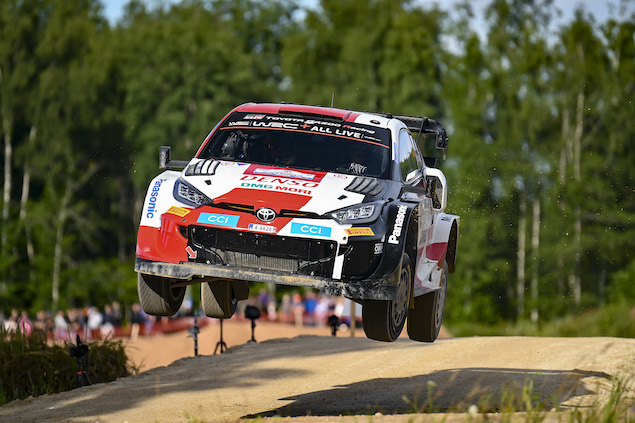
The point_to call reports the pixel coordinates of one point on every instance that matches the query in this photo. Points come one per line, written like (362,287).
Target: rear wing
(422,125)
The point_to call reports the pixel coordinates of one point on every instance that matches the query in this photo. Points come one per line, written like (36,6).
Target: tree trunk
(6,191)
(565,152)
(6,197)
(574,278)
(59,240)
(520,269)
(24,199)
(64,210)
(535,246)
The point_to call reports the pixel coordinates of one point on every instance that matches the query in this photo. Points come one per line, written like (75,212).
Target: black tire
(384,319)
(424,321)
(157,295)
(219,299)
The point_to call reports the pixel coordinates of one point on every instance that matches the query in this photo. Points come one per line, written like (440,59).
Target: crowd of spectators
(310,309)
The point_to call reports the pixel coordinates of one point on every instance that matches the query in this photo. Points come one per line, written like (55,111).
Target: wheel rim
(400,307)
(440,301)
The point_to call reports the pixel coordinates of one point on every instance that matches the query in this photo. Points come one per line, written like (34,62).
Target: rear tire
(424,321)
(384,319)
(219,298)
(157,295)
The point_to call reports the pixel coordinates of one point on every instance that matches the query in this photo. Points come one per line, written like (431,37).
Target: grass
(32,366)
(612,320)
(525,406)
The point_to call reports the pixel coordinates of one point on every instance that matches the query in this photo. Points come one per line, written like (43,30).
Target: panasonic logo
(396,230)
(152,206)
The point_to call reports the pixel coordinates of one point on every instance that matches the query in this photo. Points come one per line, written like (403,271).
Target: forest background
(540,166)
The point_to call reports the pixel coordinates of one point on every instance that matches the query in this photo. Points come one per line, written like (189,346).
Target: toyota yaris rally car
(325,198)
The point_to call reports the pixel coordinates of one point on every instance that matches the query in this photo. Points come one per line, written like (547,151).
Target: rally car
(338,200)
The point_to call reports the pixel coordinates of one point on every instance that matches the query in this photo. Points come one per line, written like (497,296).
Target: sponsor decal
(152,204)
(262,228)
(359,232)
(378,248)
(397,228)
(262,124)
(279,181)
(359,128)
(191,253)
(336,131)
(284,173)
(228,220)
(314,230)
(254,116)
(277,188)
(179,211)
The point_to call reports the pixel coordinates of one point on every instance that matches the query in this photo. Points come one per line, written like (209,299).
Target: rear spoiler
(421,125)
(424,125)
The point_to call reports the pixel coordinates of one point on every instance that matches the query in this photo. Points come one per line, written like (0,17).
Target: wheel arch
(453,241)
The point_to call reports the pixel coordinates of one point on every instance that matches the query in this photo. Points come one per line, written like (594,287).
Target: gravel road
(325,377)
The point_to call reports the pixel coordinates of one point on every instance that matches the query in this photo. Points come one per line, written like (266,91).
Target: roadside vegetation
(611,320)
(32,365)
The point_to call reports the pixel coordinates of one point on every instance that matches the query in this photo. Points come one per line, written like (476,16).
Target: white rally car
(326,198)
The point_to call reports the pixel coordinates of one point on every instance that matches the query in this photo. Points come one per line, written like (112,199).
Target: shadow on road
(442,391)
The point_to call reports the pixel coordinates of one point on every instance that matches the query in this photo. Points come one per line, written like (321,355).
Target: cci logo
(218,219)
(303,229)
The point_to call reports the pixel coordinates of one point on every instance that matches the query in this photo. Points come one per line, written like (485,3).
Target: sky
(601,9)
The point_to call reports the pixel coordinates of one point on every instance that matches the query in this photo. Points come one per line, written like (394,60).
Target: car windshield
(302,142)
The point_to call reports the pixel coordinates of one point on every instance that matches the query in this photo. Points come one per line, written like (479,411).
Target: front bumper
(191,273)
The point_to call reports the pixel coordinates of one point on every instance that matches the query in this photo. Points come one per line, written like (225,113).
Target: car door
(411,165)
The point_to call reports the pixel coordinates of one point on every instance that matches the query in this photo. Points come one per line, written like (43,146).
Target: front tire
(219,298)
(157,295)
(424,321)
(384,319)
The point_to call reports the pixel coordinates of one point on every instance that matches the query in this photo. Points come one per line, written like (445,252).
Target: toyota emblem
(265,214)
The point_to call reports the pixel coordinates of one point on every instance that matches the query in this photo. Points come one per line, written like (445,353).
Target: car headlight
(189,195)
(363,213)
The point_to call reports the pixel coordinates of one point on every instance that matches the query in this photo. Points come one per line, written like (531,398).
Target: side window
(418,155)
(408,156)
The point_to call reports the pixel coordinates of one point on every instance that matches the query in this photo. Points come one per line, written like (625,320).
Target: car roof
(317,111)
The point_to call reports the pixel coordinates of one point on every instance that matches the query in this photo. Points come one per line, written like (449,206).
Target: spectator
(298,310)
(93,322)
(310,303)
(11,324)
(61,325)
(24,323)
(107,328)
(116,316)
(286,314)
(136,319)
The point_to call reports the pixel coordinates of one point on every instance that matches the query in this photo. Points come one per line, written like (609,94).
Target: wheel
(384,319)
(424,321)
(220,298)
(157,295)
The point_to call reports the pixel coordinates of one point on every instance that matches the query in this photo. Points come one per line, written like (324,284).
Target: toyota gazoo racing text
(333,199)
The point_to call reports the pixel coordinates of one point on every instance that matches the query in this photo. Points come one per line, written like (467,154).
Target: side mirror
(165,162)
(414,177)
(437,188)
(164,156)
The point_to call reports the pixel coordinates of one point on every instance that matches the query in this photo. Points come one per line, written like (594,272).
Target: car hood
(278,188)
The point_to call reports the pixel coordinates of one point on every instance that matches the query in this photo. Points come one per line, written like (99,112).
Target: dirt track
(326,376)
